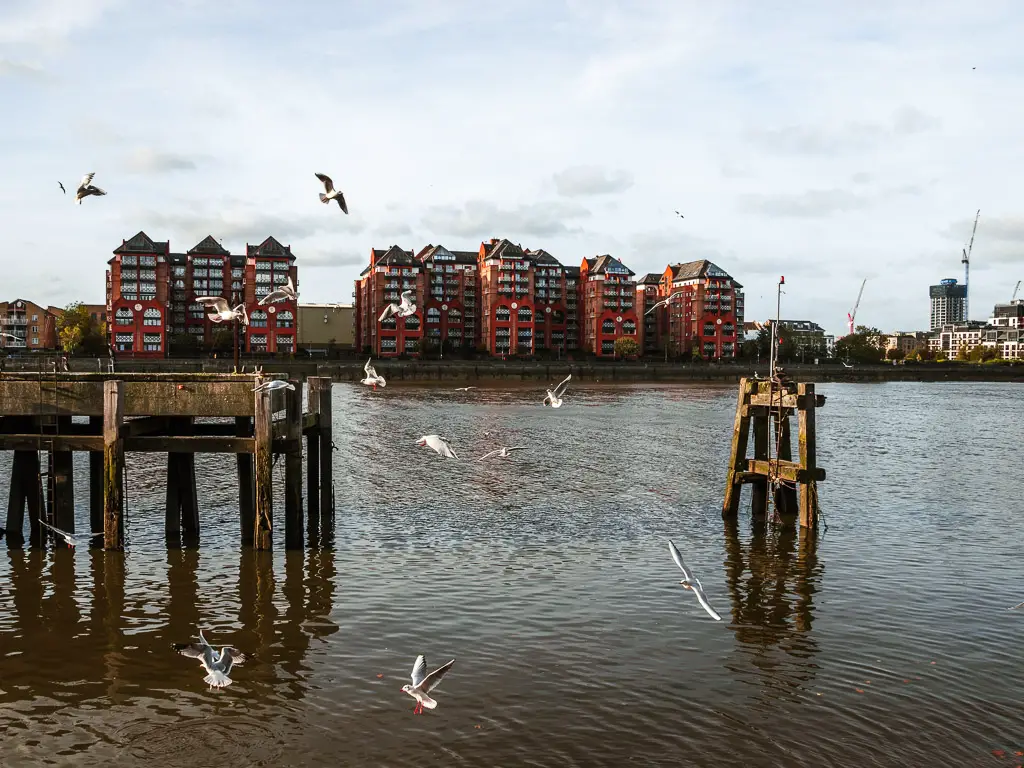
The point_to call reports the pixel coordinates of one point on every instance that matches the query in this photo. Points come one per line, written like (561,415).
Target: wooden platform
(161,413)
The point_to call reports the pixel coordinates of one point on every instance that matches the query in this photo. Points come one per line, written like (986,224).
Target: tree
(982,354)
(78,331)
(895,353)
(626,347)
(860,346)
(963,354)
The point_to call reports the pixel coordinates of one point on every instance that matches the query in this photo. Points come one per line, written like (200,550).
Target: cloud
(587,180)
(392,230)
(852,136)
(151,161)
(46,22)
(481,219)
(18,69)
(237,227)
(999,240)
(820,203)
(331,258)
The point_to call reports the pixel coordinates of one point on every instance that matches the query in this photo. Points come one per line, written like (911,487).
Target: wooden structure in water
(177,414)
(764,409)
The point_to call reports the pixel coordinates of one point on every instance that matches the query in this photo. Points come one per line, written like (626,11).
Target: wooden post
(759,490)
(17,497)
(293,468)
(96,483)
(62,489)
(326,461)
(246,504)
(34,496)
(113,465)
(172,500)
(808,454)
(263,434)
(188,494)
(785,495)
(738,452)
(313,460)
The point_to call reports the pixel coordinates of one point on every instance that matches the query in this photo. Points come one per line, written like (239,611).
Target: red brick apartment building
(450,297)
(609,295)
(652,325)
(34,326)
(389,273)
(151,295)
(708,315)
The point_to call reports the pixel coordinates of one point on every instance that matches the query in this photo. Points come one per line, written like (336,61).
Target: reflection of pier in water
(772,581)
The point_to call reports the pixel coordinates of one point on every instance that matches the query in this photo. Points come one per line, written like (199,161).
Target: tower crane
(1014,297)
(851,315)
(966,261)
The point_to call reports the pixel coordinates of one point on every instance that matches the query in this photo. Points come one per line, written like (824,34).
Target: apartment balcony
(13,321)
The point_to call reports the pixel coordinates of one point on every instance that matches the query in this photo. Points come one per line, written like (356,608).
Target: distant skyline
(831,143)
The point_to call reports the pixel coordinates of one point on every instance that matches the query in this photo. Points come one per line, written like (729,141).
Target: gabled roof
(269,247)
(502,249)
(691,270)
(141,243)
(208,245)
(459,257)
(601,265)
(543,257)
(393,256)
(651,278)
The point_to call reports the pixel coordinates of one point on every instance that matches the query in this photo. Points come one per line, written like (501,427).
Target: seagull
(439,444)
(286,291)
(85,188)
(502,453)
(423,684)
(846,364)
(10,336)
(222,312)
(72,539)
(692,582)
(554,399)
(680,215)
(406,308)
(332,193)
(273,385)
(218,666)
(1018,605)
(663,302)
(62,188)
(464,389)
(372,377)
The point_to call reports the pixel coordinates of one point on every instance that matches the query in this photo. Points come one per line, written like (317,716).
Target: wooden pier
(765,408)
(165,413)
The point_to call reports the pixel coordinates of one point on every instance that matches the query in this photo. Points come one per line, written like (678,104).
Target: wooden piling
(293,530)
(113,465)
(313,458)
(808,454)
(738,452)
(326,460)
(96,483)
(246,502)
(759,485)
(264,496)
(189,494)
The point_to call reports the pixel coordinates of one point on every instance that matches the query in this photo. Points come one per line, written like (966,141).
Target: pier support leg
(262,534)
(188,493)
(808,455)
(759,486)
(113,465)
(738,452)
(246,504)
(313,462)
(293,469)
(326,462)
(96,484)
(785,494)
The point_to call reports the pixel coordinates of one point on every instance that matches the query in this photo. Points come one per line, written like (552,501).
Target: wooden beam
(147,425)
(113,465)
(784,470)
(786,401)
(311,420)
(293,533)
(148,444)
(263,437)
(737,452)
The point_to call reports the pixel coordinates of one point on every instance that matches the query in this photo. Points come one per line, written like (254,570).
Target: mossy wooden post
(246,503)
(263,434)
(96,483)
(188,493)
(113,465)
(807,402)
(313,458)
(759,490)
(738,452)
(172,500)
(326,460)
(293,468)
(785,495)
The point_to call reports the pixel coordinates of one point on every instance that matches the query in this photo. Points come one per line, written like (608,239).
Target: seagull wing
(1018,605)
(698,590)
(328,184)
(96,190)
(56,530)
(272,296)
(62,188)
(449,451)
(517,448)
(229,657)
(370,372)
(488,455)
(407,299)
(389,310)
(431,681)
(560,389)
(419,671)
(86,180)
(341,202)
(679,561)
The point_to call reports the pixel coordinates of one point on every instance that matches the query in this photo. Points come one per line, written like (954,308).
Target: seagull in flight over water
(217,666)
(1018,605)
(372,377)
(221,311)
(663,302)
(502,453)
(273,385)
(691,582)
(464,389)
(72,539)
(554,398)
(286,291)
(332,193)
(406,308)
(439,444)
(423,684)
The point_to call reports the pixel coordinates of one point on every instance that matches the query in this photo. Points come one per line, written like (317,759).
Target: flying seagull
(286,291)
(273,385)
(62,188)
(406,308)
(423,684)
(85,188)
(1018,605)
(663,302)
(464,389)
(501,453)
(554,399)
(221,311)
(680,215)
(72,539)
(332,193)
(691,582)
(372,377)
(9,336)
(218,666)
(439,444)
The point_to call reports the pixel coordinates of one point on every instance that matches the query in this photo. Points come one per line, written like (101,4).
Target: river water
(886,642)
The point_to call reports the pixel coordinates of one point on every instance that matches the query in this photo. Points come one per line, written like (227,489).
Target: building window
(608,326)
(709,349)
(390,324)
(258,343)
(607,347)
(124,341)
(503,314)
(629,327)
(411,323)
(727,330)
(525,315)
(123,316)
(433,315)
(285,319)
(258,319)
(454,316)
(285,343)
(151,317)
(411,345)
(709,329)
(151,342)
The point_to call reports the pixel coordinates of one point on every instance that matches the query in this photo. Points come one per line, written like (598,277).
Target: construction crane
(966,261)
(1014,297)
(851,315)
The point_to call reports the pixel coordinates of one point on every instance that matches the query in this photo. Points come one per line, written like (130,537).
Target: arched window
(608,326)
(433,315)
(629,327)
(412,323)
(151,317)
(123,316)
(285,319)
(525,315)
(258,319)
(502,314)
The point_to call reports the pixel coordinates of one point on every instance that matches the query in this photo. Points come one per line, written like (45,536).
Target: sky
(828,142)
